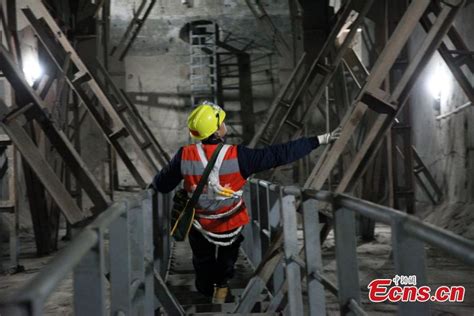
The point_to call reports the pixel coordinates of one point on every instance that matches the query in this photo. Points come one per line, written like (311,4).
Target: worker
(215,235)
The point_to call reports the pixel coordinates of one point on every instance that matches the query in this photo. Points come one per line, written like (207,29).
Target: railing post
(346,259)
(137,259)
(147,209)
(89,281)
(160,232)
(278,277)
(409,258)
(120,266)
(291,249)
(314,263)
(248,229)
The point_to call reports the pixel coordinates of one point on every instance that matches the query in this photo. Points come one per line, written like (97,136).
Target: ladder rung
(17,112)
(285,103)
(460,60)
(81,78)
(418,170)
(121,109)
(119,133)
(323,69)
(293,124)
(378,105)
(145,145)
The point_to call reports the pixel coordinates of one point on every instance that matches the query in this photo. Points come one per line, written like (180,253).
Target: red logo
(404,289)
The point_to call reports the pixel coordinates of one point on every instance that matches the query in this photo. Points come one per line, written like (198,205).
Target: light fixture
(32,69)
(439,82)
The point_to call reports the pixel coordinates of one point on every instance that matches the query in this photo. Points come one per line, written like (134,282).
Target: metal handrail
(461,248)
(273,209)
(89,242)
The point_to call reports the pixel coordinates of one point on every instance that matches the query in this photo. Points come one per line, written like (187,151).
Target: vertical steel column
(137,262)
(120,266)
(148,255)
(89,281)
(314,262)
(346,258)
(291,249)
(409,257)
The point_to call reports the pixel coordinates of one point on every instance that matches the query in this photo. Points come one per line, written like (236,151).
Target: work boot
(220,294)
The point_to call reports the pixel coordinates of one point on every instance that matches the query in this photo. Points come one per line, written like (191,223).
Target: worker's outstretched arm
(170,176)
(255,160)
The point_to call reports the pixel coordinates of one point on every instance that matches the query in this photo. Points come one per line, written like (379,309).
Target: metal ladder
(30,106)
(385,104)
(421,171)
(203,62)
(454,52)
(125,121)
(289,111)
(136,24)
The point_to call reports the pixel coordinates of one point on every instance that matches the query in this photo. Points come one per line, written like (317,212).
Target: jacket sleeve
(170,176)
(255,160)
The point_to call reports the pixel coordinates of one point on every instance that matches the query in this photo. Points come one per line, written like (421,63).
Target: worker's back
(220,207)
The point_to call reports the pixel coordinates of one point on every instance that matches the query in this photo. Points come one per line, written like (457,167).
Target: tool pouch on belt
(182,213)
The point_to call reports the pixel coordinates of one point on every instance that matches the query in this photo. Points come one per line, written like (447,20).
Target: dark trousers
(211,267)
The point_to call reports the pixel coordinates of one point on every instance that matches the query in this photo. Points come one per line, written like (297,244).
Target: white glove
(329,137)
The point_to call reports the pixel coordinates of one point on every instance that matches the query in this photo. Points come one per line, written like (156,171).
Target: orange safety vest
(229,213)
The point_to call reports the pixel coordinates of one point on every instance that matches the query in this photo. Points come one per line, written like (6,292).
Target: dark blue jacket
(250,161)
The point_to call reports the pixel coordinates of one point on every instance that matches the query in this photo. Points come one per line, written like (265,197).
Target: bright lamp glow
(32,69)
(439,82)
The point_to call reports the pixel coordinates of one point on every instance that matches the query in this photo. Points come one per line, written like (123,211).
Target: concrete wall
(156,70)
(446,146)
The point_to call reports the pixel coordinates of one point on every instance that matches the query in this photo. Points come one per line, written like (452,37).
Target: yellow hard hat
(205,120)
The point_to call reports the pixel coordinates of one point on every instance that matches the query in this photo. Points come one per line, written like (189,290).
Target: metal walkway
(180,281)
(127,249)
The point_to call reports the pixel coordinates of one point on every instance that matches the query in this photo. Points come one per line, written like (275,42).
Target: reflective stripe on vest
(228,175)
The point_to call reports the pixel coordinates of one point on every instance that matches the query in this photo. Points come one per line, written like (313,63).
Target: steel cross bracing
(88,89)
(455,53)
(125,107)
(136,24)
(30,106)
(382,102)
(284,117)
(269,27)
(422,174)
(425,179)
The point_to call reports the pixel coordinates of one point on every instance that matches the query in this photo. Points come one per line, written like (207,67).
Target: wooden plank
(58,140)
(380,71)
(399,96)
(149,170)
(41,168)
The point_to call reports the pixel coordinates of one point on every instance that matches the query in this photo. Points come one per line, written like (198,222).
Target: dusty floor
(374,262)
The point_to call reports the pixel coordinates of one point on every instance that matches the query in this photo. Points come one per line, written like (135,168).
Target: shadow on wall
(180,102)
(175,101)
